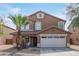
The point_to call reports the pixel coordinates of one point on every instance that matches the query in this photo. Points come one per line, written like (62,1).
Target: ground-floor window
(71,41)
(77,39)
(53,36)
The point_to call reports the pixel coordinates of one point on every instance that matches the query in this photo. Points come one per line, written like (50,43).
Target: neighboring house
(74,38)
(5,37)
(45,30)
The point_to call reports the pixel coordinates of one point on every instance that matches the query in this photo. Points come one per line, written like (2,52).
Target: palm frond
(13,18)
(24,21)
(19,20)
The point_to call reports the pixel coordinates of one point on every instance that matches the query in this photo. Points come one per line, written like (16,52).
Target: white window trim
(53,34)
(62,24)
(38,25)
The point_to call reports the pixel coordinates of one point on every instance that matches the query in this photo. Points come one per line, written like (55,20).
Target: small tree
(19,21)
(73,13)
(75,23)
(72,10)
(1,26)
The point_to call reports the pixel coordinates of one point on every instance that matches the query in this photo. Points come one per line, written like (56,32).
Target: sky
(56,9)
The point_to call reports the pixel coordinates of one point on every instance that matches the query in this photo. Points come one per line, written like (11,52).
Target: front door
(34,41)
(71,42)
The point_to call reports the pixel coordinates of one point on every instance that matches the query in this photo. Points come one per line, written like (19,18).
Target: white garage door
(55,40)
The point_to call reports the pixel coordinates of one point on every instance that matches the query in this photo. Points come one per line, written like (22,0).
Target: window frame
(62,24)
(38,25)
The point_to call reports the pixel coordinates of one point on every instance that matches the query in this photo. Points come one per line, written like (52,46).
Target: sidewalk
(75,47)
(7,50)
(4,47)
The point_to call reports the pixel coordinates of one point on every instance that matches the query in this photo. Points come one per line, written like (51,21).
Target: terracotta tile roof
(9,27)
(26,33)
(29,32)
(55,28)
(39,32)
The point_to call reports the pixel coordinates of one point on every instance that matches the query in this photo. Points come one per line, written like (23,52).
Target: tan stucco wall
(47,21)
(2,40)
(54,31)
(74,36)
(6,34)
(7,30)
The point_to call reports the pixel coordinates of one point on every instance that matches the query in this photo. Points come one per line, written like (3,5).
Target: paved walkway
(29,52)
(75,47)
(4,47)
(8,50)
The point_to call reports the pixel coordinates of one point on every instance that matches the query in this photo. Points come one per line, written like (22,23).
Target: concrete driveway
(8,50)
(58,52)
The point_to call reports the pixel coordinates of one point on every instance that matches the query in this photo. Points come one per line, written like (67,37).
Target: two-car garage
(53,40)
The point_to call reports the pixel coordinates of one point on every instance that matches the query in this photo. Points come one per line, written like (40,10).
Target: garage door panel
(53,42)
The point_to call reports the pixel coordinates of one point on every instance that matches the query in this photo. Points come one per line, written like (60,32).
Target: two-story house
(45,30)
(74,38)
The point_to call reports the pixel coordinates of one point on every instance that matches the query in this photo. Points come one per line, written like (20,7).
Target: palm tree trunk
(18,38)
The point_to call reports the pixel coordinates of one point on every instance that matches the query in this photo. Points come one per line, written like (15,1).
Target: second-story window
(61,25)
(38,25)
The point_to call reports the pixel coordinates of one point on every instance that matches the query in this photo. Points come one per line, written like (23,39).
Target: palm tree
(19,21)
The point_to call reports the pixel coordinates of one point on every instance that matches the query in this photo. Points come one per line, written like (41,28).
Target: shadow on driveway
(23,52)
(30,52)
(9,51)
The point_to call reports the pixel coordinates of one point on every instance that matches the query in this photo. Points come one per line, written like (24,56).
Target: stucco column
(68,40)
(38,41)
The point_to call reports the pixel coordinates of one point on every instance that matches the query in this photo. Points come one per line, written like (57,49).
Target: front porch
(27,39)
(31,38)
(30,41)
